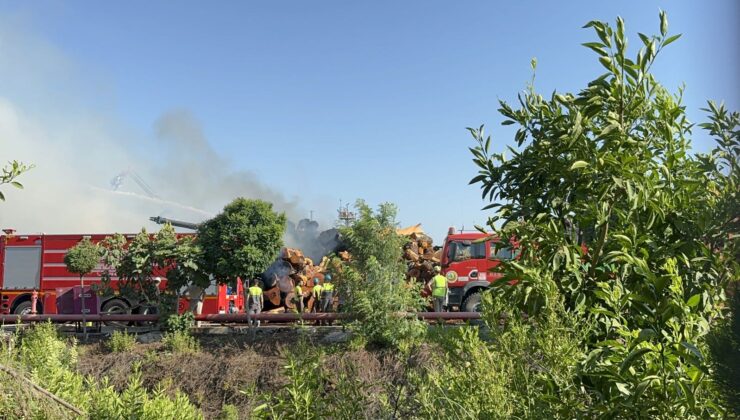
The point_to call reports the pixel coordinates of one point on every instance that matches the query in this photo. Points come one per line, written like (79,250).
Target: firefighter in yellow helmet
(316,293)
(255,302)
(438,284)
(298,298)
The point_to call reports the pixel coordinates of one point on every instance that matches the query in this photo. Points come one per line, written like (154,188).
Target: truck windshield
(506,253)
(462,251)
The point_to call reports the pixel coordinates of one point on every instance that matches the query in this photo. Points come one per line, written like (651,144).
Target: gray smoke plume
(55,118)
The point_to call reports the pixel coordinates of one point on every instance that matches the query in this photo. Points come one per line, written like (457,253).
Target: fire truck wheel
(24,308)
(117,307)
(148,310)
(472,302)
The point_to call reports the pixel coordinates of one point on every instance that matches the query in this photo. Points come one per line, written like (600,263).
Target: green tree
(374,280)
(82,258)
(618,218)
(10,172)
(242,241)
(139,262)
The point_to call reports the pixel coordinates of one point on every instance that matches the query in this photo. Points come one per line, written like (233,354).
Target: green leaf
(671,39)
(597,47)
(645,335)
(622,387)
(17,184)
(578,165)
(693,300)
(692,348)
(631,358)
(645,39)
(606,62)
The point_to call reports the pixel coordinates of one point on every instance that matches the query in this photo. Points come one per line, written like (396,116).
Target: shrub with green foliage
(616,217)
(228,412)
(180,323)
(178,337)
(311,394)
(520,368)
(374,280)
(138,262)
(121,342)
(180,342)
(50,362)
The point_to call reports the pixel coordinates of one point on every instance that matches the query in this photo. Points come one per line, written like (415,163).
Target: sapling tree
(82,259)
(373,281)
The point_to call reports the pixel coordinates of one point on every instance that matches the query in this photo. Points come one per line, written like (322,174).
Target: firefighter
(298,298)
(327,294)
(438,284)
(316,293)
(255,302)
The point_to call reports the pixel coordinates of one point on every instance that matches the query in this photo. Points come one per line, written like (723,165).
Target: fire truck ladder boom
(177,223)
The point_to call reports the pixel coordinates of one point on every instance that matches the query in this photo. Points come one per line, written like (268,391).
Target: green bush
(374,281)
(121,342)
(312,392)
(180,342)
(617,218)
(228,412)
(180,323)
(51,362)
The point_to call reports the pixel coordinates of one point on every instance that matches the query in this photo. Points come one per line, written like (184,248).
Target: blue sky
(330,100)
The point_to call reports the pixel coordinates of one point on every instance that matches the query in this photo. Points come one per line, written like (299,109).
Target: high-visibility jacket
(255,291)
(317,291)
(298,291)
(439,286)
(328,287)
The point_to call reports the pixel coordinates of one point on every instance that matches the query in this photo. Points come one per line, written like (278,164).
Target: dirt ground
(229,367)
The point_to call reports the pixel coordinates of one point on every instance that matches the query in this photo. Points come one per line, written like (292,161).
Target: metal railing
(228,318)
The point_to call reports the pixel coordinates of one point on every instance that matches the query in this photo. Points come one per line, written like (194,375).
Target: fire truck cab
(467,259)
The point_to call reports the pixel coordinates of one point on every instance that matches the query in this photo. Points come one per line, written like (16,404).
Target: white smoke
(77,151)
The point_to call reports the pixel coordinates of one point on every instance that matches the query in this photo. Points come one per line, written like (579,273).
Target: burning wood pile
(304,268)
(291,269)
(419,254)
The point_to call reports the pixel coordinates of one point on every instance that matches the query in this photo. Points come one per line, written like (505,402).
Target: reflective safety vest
(298,291)
(317,290)
(328,287)
(255,291)
(440,286)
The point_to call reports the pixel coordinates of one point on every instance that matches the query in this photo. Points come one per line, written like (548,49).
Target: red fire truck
(466,262)
(36,262)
